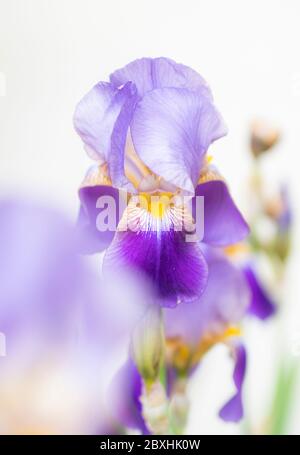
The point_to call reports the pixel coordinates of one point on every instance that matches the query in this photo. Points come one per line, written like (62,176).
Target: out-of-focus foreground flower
(62,328)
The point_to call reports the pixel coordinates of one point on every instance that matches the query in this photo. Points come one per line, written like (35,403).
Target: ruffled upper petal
(96,114)
(233,410)
(151,73)
(116,159)
(223,222)
(171,131)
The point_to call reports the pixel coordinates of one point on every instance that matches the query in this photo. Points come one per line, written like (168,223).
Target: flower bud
(148,344)
(263,137)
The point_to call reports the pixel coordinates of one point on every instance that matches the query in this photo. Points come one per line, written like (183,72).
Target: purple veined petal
(158,253)
(233,410)
(151,73)
(223,223)
(124,397)
(224,302)
(91,239)
(176,269)
(261,305)
(171,131)
(96,114)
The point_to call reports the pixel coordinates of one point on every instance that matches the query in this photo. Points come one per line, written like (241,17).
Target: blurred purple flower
(64,328)
(124,397)
(193,329)
(261,304)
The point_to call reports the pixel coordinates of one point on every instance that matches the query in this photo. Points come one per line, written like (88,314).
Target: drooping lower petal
(223,222)
(233,410)
(222,304)
(177,269)
(261,304)
(151,246)
(101,209)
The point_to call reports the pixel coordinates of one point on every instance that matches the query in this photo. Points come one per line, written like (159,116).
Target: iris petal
(261,305)
(96,114)
(223,303)
(160,254)
(151,73)
(223,223)
(124,395)
(119,138)
(171,131)
(92,239)
(233,410)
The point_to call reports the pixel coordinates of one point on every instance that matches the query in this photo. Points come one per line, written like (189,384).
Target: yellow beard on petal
(156,203)
(156,212)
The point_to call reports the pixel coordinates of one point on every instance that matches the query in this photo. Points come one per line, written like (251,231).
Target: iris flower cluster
(149,130)
(113,349)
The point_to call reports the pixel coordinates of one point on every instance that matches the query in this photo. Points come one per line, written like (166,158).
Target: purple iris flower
(191,331)
(149,130)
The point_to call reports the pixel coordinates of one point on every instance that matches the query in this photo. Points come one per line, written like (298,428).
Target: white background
(53,51)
